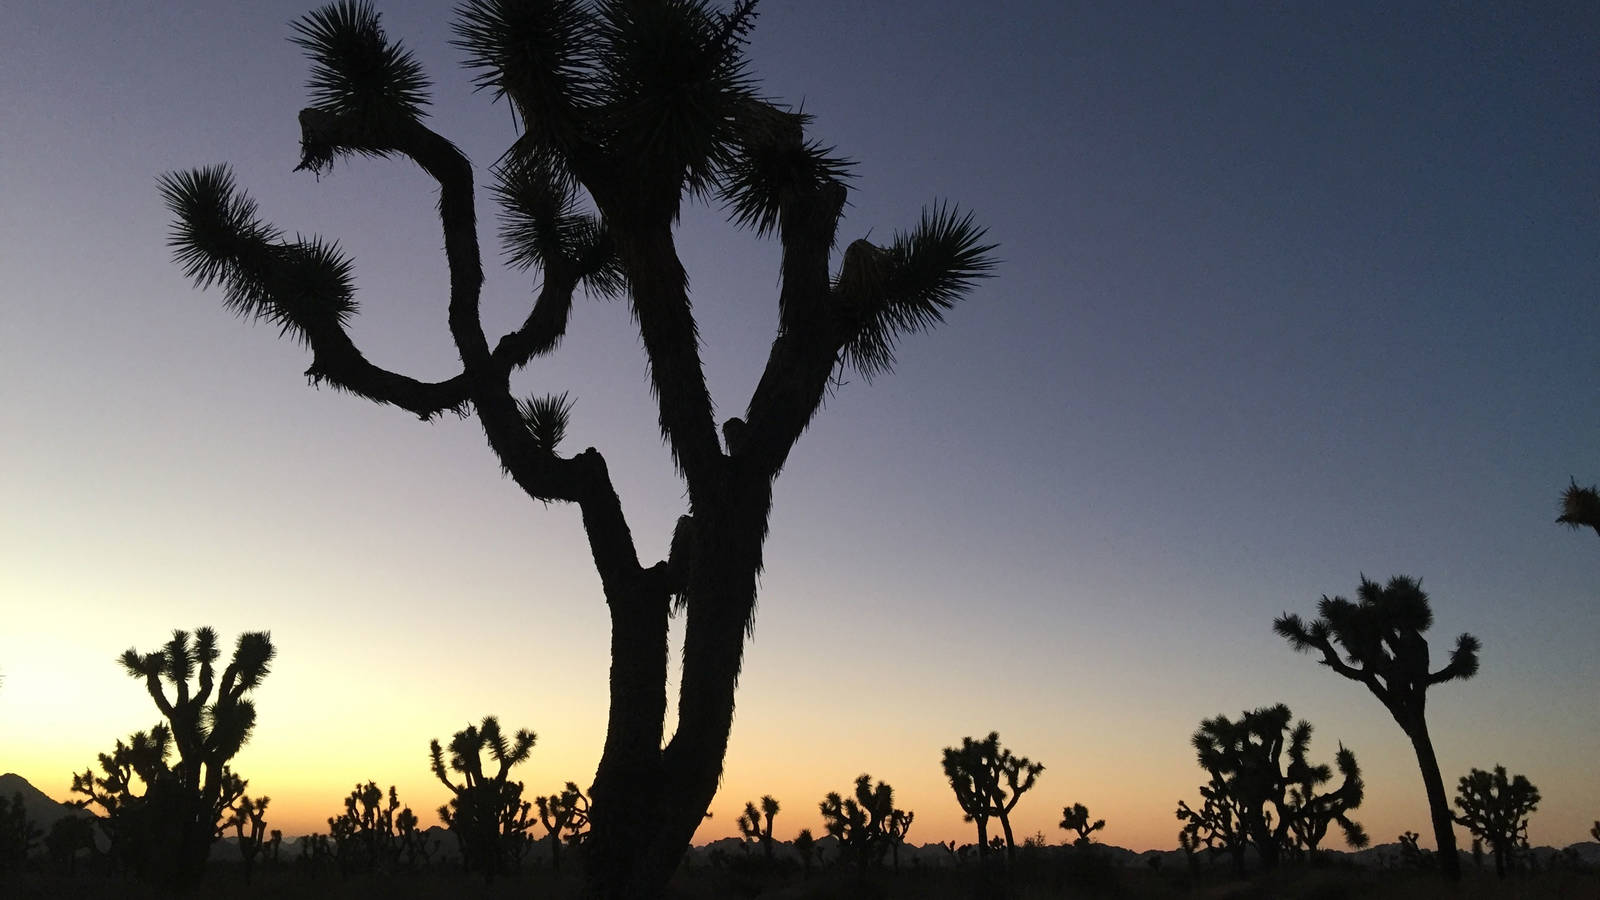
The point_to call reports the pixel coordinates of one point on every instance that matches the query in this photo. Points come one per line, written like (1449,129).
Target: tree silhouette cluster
(867,825)
(1252,800)
(486,811)
(376,833)
(1495,809)
(626,110)
(161,817)
(565,816)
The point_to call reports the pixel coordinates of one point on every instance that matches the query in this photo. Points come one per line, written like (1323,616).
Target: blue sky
(1290,292)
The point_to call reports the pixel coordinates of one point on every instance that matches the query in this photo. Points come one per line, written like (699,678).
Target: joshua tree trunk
(1444,834)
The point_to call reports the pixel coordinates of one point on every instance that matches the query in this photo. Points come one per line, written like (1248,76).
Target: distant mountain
(42,811)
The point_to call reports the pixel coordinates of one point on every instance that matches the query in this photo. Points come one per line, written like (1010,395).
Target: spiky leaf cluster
(355,68)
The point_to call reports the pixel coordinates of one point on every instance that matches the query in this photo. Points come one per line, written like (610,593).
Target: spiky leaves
(355,69)
(300,286)
(546,419)
(906,288)
(1381,638)
(542,225)
(776,168)
(1580,507)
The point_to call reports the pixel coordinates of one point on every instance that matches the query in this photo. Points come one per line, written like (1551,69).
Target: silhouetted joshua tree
(750,822)
(487,813)
(165,833)
(806,846)
(1381,637)
(252,815)
(1496,809)
(860,823)
(564,816)
(1250,797)
(1580,507)
(1075,818)
(367,835)
(895,829)
(988,780)
(633,107)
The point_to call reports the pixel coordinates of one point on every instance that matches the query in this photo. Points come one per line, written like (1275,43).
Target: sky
(1290,293)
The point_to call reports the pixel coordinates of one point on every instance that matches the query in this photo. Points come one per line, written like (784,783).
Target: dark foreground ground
(289,883)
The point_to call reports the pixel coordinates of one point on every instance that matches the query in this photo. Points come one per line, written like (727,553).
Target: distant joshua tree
(1252,799)
(564,816)
(895,829)
(165,833)
(371,835)
(1075,818)
(1580,507)
(68,836)
(1381,636)
(806,845)
(988,780)
(487,813)
(750,823)
(860,823)
(1496,809)
(252,815)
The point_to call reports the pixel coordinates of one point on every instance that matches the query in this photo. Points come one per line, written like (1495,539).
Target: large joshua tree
(1380,635)
(988,780)
(627,109)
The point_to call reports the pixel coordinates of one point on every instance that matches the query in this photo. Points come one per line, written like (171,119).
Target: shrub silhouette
(750,823)
(1075,818)
(164,834)
(487,813)
(564,816)
(988,780)
(1251,799)
(17,835)
(1496,809)
(635,108)
(68,836)
(1381,636)
(371,835)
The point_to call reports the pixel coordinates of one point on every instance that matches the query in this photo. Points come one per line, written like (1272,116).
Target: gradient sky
(1291,292)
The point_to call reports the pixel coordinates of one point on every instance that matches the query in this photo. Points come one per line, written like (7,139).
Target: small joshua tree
(564,816)
(806,845)
(1580,507)
(895,830)
(1075,818)
(988,780)
(167,831)
(750,823)
(1251,798)
(1381,636)
(1496,809)
(860,823)
(364,834)
(252,815)
(487,813)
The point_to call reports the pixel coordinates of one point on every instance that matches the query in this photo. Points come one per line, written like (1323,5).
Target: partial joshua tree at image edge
(1381,636)
(1580,507)
(633,108)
